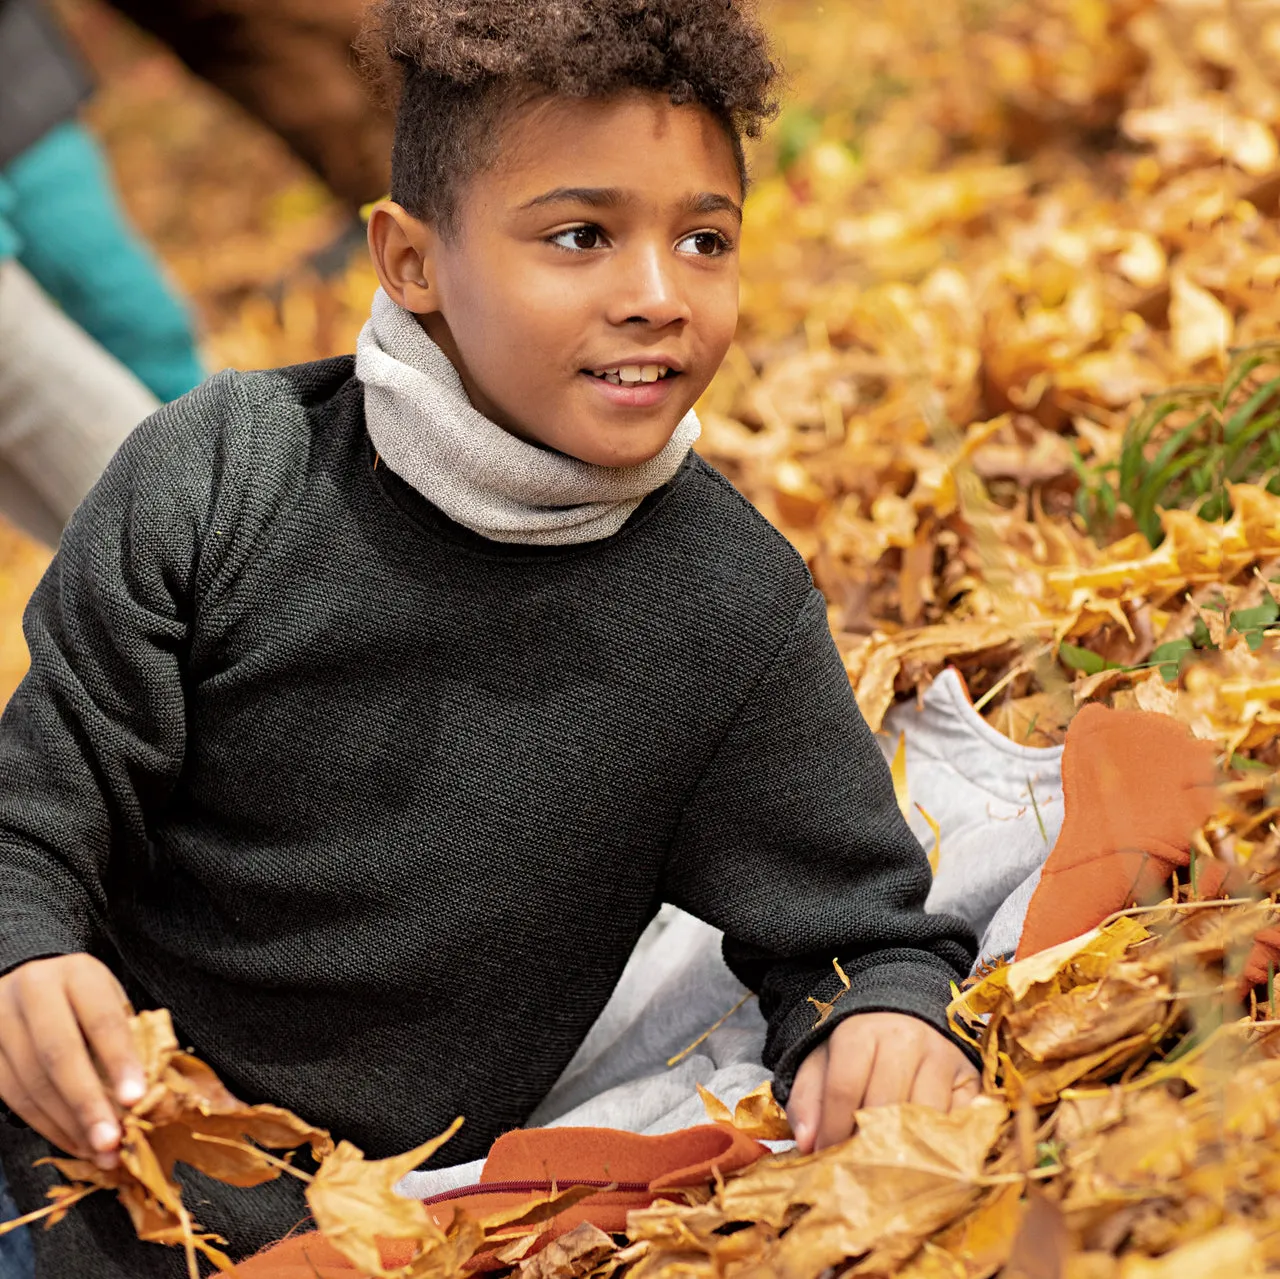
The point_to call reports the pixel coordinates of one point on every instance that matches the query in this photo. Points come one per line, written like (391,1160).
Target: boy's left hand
(875,1059)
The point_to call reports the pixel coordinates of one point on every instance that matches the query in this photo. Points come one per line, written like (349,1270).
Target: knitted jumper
(378,807)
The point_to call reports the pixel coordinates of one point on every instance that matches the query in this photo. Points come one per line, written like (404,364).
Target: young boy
(375,706)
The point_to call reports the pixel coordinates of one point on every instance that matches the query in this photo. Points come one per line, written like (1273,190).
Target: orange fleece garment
(522,1165)
(1136,788)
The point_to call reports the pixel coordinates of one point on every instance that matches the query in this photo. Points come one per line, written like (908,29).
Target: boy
(375,708)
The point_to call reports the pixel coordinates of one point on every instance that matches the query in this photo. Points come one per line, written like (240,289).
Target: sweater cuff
(916,987)
(24,938)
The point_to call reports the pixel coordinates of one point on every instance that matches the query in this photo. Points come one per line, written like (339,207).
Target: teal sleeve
(60,216)
(8,236)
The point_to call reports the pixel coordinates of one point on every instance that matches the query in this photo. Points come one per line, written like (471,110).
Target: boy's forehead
(614,144)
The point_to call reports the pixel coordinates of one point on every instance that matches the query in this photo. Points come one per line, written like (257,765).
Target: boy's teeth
(632,374)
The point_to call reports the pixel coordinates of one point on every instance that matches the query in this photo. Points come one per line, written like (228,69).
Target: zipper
(528,1187)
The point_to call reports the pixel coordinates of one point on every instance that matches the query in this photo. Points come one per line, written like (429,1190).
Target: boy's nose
(649,290)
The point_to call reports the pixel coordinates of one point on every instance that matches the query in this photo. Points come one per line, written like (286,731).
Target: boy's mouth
(633,374)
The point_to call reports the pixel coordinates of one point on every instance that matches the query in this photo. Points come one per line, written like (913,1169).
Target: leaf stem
(1175,907)
(711,1030)
(67,1202)
(257,1152)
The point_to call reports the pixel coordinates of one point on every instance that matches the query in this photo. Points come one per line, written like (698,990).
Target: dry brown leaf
(759,1116)
(976,1246)
(574,1254)
(906,1172)
(1129,998)
(354,1204)
(826,1008)
(1231,1252)
(185,1115)
(1042,1243)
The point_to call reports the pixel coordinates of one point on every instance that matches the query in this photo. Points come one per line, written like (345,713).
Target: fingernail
(103,1136)
(131,1089)
(802,1134)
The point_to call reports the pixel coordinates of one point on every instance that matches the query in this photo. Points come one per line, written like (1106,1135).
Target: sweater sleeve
(92,740)
(793,844)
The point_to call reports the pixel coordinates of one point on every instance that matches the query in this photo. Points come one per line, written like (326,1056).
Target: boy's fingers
(20,1100)
(62,1056)
(852,1064)
(933,1082)
(804,1107)
(966,1087)
(892,1081)
(102,1010)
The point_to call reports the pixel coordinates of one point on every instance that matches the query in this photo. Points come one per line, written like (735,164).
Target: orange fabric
(1136,787)
(645,1166)
(569,1156)
(1263,961)
(310,1257)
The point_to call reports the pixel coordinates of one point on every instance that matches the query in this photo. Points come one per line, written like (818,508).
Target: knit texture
(486,479)
(379,807)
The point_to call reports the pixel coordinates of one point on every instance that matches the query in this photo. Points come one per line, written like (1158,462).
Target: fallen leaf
(574,1254)
(1202,327)
(354,1204)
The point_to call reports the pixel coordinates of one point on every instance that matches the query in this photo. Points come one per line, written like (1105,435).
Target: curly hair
(454,67)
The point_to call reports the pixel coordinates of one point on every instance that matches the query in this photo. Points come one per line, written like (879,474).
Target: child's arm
(90,744)
(793,844)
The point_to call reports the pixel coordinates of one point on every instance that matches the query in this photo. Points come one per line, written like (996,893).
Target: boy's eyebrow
(712,202)
(614,197)
(595,197)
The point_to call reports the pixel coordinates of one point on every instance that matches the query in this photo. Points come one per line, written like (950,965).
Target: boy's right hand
(64,1028)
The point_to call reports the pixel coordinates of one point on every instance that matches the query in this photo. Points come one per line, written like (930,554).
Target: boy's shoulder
(234,453)
(255,404)
(246,427)
(285,390)
(720,537)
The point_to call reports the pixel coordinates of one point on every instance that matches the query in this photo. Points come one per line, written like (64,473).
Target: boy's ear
(403,250)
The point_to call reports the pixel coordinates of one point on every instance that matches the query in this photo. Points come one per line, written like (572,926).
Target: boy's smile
(590,289)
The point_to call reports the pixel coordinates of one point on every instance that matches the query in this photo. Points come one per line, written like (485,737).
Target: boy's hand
(875,1059)
(64,1028)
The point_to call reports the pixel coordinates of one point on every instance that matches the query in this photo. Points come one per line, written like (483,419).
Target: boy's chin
(599,444)
(622,449)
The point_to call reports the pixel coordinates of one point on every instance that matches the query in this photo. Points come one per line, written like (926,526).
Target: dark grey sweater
(378,808)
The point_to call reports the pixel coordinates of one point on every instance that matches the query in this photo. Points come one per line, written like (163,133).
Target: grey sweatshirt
(378,807)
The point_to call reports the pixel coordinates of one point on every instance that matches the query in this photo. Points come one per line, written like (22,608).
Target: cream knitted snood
(481,476)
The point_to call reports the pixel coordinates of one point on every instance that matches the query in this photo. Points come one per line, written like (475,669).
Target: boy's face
(590,290)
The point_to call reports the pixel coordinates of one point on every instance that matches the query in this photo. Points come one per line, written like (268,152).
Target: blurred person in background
(92,338)
(288,63)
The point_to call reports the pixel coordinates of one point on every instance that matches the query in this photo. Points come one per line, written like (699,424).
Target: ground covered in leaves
(1008,377)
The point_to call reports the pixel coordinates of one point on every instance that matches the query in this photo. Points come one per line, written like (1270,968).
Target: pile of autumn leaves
(1129,1129)
(1058,221)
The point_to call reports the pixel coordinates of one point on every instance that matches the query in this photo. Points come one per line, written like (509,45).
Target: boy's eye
(579,238)
(705,244)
